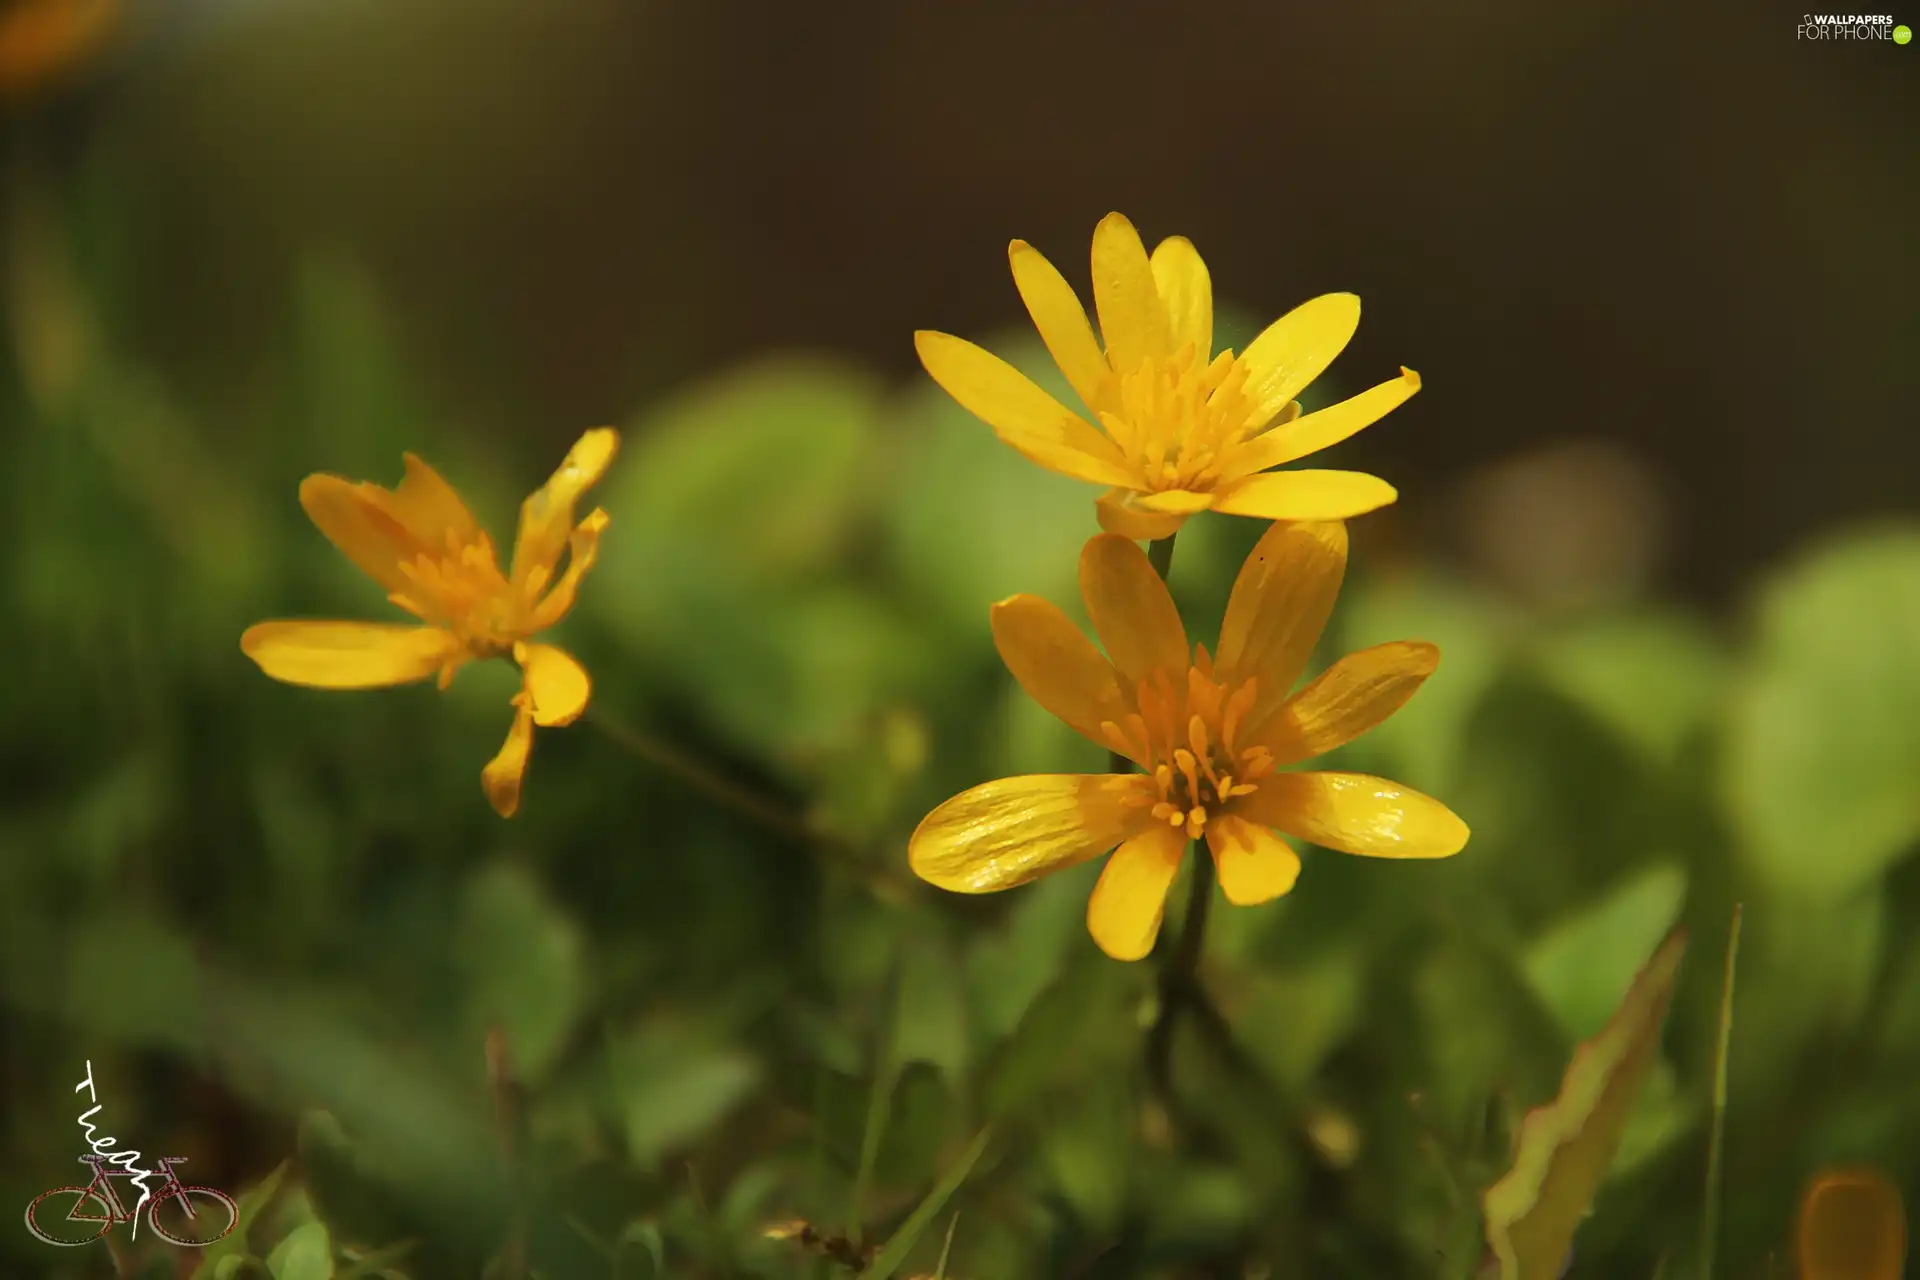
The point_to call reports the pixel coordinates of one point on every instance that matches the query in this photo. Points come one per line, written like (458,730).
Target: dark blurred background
(1678,230)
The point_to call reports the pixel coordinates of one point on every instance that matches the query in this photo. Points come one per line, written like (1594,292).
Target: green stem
(728,794)
(1180,974)
(1710,1220)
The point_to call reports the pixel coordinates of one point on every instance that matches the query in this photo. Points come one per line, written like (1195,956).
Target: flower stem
(1160,555)
(1179,980)
(765,813)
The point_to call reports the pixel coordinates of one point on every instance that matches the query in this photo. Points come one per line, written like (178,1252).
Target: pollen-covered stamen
(1178,419)
(1184,736)
(464,591)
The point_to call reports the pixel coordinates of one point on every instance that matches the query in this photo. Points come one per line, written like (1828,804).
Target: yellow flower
(421,543)
(1185,431)
(1211,732)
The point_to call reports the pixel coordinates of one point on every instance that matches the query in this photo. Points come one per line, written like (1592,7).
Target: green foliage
(1824,745)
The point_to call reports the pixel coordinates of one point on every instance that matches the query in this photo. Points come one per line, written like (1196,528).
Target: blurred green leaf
(352,1205)
(1808,969)
(757,473)
(1425,740)
(1008,967)
(1655,678)
(1087,1147)
(1292,1019)
(524,963)
(1583,965)
(1086,1022)
(971,520)
(671,1084)
(306,1254)
(133,977)
(1823,747)
(1566,1147)
(236,1243)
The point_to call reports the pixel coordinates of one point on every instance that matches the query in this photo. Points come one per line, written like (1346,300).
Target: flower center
(1177,419)
(463,590)
(1186,738)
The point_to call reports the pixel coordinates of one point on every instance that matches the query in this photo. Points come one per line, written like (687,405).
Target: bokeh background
(1660,507)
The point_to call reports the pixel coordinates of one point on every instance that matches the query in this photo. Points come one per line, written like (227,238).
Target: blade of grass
(946,1249)
(901,1242)
(1710,1218)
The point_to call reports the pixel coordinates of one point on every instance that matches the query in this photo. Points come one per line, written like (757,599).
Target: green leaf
(235,1243)
(306,1254)
(670,1086)
(1653,678)
(894,1252)
(1565,1148)
(1823,747)
(524,964)
(758,471)
(1424,739)
(1583,965)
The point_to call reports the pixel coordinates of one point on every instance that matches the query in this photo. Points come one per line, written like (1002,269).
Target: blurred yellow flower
(41,40)
(1211,733)
(1185,431)
(421,543)
(1852,1227)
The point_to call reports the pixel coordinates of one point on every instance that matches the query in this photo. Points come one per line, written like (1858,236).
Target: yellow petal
(1186,290)
(1061,320)
(1020,413)
(1123,915)
(583,547)
(1179,502)
(1306,495)
(358,519)
(431,509)
(1297,348)
(1057,665)
(1356,813)
(1118,514)
(1013,830)
(1280,604)
(1254,864)
(1133,320)
(1320,430)
(1132,611)
(546,517)
(1347,699)
(1853,1226)
(348,655)
(502,776)
(556,683)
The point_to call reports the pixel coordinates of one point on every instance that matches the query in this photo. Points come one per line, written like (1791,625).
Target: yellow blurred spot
(1852,1227)
(41,40)
(1336,1137)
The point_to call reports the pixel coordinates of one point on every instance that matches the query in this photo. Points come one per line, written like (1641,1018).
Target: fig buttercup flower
(1212,732)
(1181,430)
(421,543)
